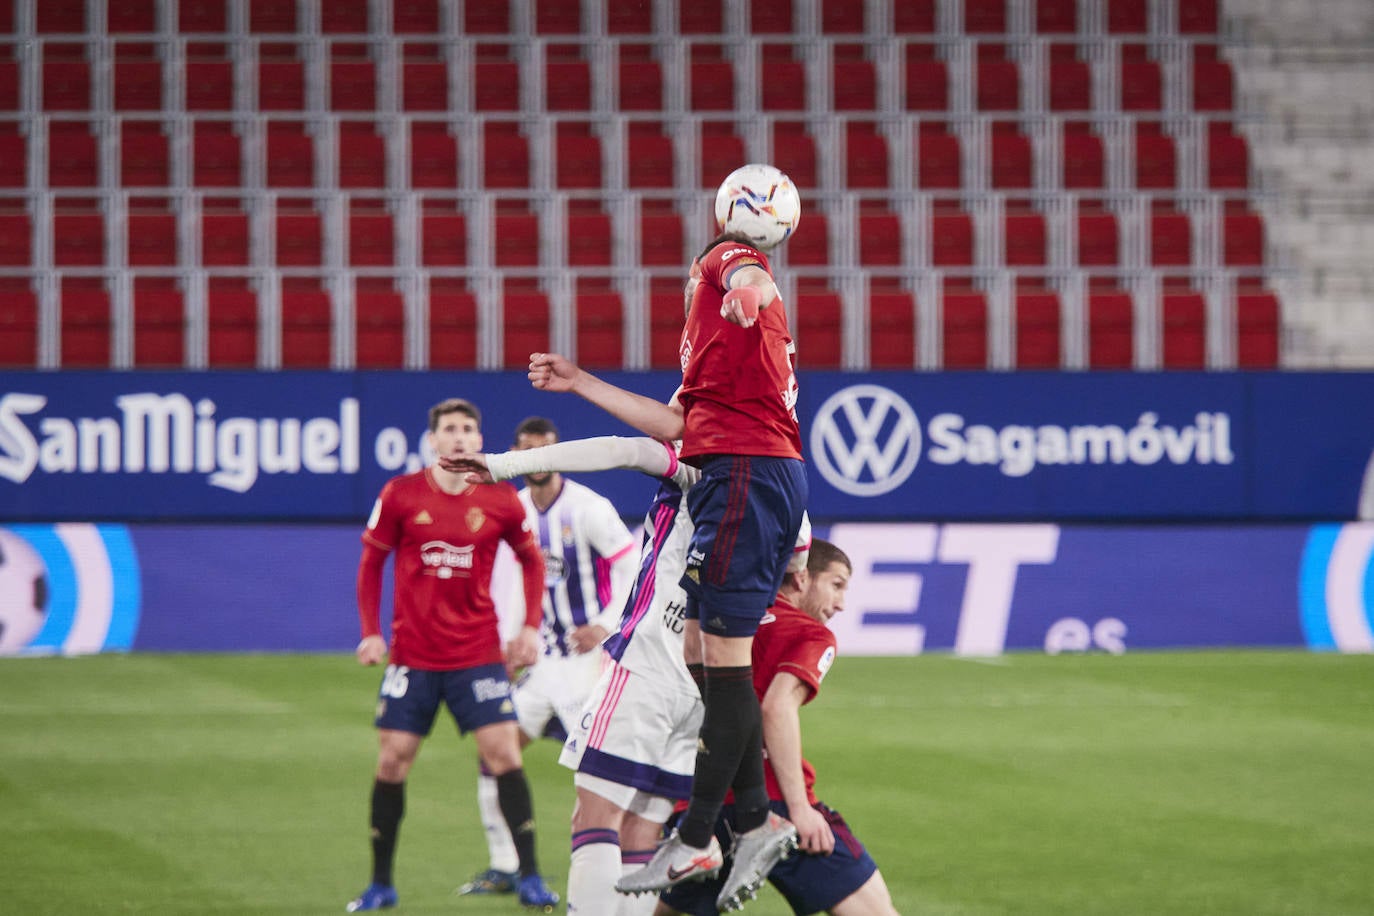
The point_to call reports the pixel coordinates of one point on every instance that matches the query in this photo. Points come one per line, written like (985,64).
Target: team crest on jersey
(424,518)
(568,538)
(827,659)
(476,518)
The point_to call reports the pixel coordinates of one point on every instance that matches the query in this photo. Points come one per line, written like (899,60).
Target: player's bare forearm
(758,278)
(782,738)
(653,418)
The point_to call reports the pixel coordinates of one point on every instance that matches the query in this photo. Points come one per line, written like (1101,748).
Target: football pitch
(1165,783)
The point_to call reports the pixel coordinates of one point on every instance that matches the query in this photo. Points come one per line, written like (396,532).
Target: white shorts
(636,742)
(551,693)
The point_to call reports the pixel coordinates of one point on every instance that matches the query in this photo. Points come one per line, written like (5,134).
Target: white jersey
(648,640)
(589,562)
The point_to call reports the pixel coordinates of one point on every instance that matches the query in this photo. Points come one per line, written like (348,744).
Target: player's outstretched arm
(751,289)
(782,738)
(599,453)
(552,372)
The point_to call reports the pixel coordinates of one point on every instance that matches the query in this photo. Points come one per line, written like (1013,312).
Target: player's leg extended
(396,753)
(595,863)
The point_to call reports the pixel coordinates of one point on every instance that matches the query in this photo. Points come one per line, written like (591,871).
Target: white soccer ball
(758,202)
(23,592)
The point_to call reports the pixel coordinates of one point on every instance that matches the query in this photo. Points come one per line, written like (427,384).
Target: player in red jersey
(736,415)
(793,651)
(446,644)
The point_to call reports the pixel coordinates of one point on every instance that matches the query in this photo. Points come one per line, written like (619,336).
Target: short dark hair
(735,237)
(536,426)
(453,405)
(823,553)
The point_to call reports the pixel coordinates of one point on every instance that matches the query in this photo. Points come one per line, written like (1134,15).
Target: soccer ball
(759,203)
(23,592)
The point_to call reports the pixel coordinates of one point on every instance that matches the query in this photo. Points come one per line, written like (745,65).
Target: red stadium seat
(809,246)
(443,240)
(78,239)
(85,326)
(985,16)
(152,239)
(433,156)
(525,320)
(14,158)
(1212,86)
(209,85)
(496,85)
(1197,17)
(516,239)
(855,85)
(352,83)
(1155,160)
(1070,86)
(1083,161)
(16,239)
(558,17)
(891,330)
(1141,86)
(130,16)
(137,85)
(650,159)
(452,327)
(272,16)
(665,326)
(880,239)
(965,330)
(1257,331)
(818,328)
(600,329)
(939,163)
(722,151)
(1228,162)
(506,156)
(488,18)
(344,17)
(711,82)
(769,17)
(73,157)
(9,85)
(281,84)
(783,84)
(380,329)
(202,16)
(18,324)
(1011,161)
(66,83)
(233,326)
(290,161)
(840,17)
(60,16)
(307,320)
(1111,331)
(1185,330)
(1056,16)
(700,17)
(951,239)
(362,156)
(567,85)
(999,86)
(299,239)
(927,82)
(143,155)
(1127,17)
(641,82)
(1170,239)
(217,156)
(866,158)
(794,151)
(1242,240)
(1024,239)
(224,239)
(589,240)
(1098,240)
(371,239)
(424,85)
(578,157)
(159,327)
(660,238)
(1037,330)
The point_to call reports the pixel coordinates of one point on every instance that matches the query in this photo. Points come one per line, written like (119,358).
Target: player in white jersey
(635,745)
(590,565)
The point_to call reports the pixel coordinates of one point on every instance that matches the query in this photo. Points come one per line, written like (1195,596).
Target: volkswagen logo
(865,440)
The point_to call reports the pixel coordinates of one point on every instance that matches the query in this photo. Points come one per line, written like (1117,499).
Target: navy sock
(513,795)
(388,806)
(732,722)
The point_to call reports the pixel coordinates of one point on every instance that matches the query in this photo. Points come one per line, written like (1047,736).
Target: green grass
(1189,783)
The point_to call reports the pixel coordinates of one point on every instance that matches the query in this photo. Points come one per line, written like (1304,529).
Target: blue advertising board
(967,589)
(949,446)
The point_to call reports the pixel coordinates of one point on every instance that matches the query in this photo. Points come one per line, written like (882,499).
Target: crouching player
(792,652)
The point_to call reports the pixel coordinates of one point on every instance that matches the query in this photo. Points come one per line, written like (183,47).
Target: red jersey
(444,544)
(790,640)
(739,391)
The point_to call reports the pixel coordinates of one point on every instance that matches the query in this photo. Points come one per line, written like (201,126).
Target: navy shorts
(810,883)
(747,511)
(409,698)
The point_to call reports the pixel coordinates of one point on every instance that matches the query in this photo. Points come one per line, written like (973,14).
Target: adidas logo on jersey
(424,518)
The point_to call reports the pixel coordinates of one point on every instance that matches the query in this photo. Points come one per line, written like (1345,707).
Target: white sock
(500,846)
(592,874)
(635,904)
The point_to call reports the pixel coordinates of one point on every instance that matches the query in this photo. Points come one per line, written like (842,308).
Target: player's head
(823,583)
(455,428)
(532,433)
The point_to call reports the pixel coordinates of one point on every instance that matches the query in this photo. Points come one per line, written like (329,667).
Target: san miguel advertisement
(967,589)
(880,446)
